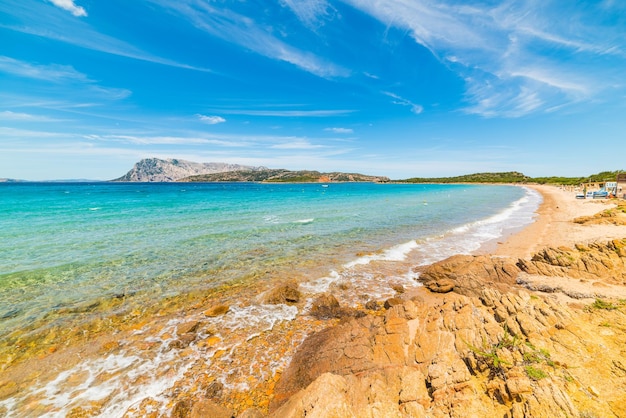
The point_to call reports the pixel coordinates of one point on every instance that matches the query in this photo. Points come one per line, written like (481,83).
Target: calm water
(66,247)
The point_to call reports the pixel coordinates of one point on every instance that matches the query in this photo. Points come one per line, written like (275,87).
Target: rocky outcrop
(468,275)
(158,170)
(613,216)
(485,347)
(606,262)
(453,356)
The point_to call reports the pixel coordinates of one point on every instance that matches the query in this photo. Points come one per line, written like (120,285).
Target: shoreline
(553,226)
(496,334)
(192,330)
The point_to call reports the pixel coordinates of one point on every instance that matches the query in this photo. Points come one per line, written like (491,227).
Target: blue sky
(401,88)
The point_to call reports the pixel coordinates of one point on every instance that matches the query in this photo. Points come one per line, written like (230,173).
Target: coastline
(415,319)
(553,226)
(533,329)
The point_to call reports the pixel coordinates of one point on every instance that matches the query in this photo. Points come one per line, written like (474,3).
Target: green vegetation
(601,304)
(493,356)
(535,373)
(515,177)
(509,177)
(283,176)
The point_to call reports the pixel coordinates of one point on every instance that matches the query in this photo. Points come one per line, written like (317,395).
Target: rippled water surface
(75,255)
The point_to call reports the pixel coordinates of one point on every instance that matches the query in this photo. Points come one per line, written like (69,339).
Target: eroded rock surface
(484,348)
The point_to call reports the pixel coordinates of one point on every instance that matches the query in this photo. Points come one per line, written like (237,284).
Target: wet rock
(286,293)
(251,413)
(183,341)
(214,390)
(372,305)
(182,409)
(206,409)
(216,310)
(188,327)
(326,306)
(398,288)
(392,302)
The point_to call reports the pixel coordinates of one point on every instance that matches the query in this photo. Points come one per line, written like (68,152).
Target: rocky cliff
(158,170)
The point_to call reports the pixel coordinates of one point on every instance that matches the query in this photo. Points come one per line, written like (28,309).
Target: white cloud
(52,72)
(25,117)
(211,120)
(486,41)
(310,12)
(297,143)
(244,31)
(70,7)
(64,76)
(29,18)
(340,130)
(288,113)
(415,108)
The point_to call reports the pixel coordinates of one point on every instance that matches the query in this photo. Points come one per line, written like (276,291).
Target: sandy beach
(553,226)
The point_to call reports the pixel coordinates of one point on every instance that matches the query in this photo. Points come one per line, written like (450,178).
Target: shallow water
(138,261)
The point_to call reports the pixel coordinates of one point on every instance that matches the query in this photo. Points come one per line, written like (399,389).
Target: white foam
(258,317)
(322,284)
(470,237)
(304,221)
(396,253)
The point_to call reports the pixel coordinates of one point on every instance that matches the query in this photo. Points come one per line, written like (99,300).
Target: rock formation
(158,170)
(484,347)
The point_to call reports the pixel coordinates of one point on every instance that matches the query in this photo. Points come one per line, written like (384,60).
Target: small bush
(534,373)
(601,304)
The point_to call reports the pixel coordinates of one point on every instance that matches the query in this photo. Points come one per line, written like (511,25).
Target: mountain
(285,176)
(157,170)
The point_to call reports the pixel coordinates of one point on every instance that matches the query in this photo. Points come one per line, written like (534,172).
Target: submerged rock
(326,306)
(216,310)
(286,293)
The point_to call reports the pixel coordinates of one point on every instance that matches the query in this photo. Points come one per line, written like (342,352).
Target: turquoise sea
(66,248)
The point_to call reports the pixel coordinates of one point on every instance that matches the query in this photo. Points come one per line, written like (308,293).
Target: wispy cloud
(288,113)
(61,75)
(52,72)
(211,120)
(297,143)
(310,12)
(70,7)
(242,30)
(415,108)
(340,130)
(26,117)
(36,18)
(159,140)
(506,44)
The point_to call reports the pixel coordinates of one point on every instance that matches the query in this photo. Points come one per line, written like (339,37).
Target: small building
(620,186)
(594,186)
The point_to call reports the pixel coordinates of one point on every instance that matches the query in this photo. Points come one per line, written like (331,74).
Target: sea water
(68,250)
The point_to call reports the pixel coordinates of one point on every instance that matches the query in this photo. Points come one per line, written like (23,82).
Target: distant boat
(324,185)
